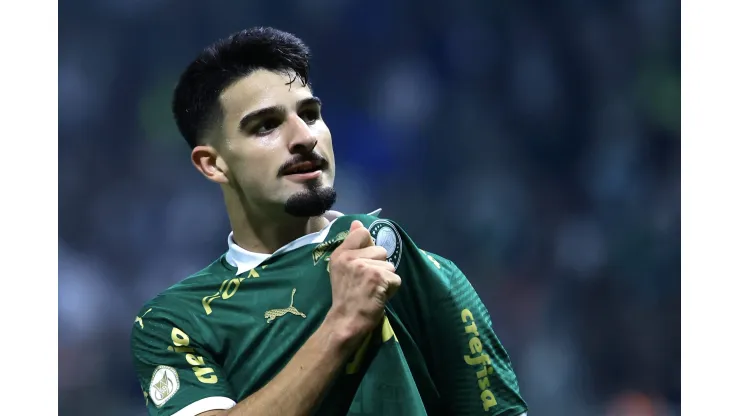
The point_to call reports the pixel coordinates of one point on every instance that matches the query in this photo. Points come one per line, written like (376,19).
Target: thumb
(355,225)
(359,237)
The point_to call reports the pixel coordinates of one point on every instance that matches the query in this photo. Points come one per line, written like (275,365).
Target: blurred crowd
(534,143)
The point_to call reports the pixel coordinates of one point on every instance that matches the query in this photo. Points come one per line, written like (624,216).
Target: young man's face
(275,147)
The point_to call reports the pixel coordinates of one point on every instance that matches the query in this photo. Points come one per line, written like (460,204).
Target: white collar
(245,260)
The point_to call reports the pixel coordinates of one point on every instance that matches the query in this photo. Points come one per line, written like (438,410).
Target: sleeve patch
(164,384)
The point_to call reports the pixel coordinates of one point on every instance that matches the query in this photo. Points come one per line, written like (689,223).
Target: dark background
(534,143)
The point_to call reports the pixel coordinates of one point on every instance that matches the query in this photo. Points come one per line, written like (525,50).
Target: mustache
(312,157)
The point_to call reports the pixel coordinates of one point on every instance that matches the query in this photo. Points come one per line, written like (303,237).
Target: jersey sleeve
(176,373)
(470,367)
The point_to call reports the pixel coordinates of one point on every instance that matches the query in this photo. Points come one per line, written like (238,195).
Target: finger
(394,283)
(391,282)
(380,264)
(355,225)
(359,237)
(371,253)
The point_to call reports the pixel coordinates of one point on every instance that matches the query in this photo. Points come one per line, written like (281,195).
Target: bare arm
(299,387)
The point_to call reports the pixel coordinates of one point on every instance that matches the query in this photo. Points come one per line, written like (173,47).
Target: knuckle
(373,276)
(343,257)
(360,267)
(381,290)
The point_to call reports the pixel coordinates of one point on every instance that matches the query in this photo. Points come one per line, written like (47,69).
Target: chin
(312,201)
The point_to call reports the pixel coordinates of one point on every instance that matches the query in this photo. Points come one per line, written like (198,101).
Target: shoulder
(401,247)
(375,224)
(189,291)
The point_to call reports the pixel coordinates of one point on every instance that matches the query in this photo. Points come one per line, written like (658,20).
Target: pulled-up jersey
(221,334)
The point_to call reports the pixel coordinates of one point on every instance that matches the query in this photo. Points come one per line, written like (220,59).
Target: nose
(301,138)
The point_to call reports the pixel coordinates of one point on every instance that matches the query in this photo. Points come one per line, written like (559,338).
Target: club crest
(385,234)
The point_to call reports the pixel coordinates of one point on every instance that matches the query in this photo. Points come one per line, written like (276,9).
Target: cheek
(251,159)
(244,169)
(325,142)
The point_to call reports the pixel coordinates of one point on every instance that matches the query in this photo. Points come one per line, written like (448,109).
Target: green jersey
(220,335)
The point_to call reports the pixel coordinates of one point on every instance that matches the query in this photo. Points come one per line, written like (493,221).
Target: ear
(209,163)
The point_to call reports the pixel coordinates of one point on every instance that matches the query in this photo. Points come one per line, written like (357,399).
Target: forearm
(299,387)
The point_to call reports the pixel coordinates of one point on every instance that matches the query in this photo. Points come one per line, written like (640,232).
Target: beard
(313,201)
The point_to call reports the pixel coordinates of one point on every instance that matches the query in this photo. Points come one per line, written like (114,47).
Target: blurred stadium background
(534,143)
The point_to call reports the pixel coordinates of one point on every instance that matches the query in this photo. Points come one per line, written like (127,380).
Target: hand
(362,281)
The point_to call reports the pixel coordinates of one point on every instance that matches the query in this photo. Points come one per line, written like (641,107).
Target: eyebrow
(277,109)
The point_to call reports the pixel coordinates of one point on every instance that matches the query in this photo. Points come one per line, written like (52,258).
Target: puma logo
(273,314)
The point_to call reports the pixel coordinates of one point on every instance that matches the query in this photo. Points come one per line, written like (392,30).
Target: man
(309,311)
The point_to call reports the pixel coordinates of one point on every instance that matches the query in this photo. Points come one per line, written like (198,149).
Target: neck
(262,231)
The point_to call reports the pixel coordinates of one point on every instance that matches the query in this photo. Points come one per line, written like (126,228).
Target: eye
(266,126)
(310,115)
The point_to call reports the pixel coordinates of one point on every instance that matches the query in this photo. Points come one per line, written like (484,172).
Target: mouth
(303,167)
(302,171)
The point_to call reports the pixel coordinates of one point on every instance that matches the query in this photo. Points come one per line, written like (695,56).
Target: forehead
(262,89)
